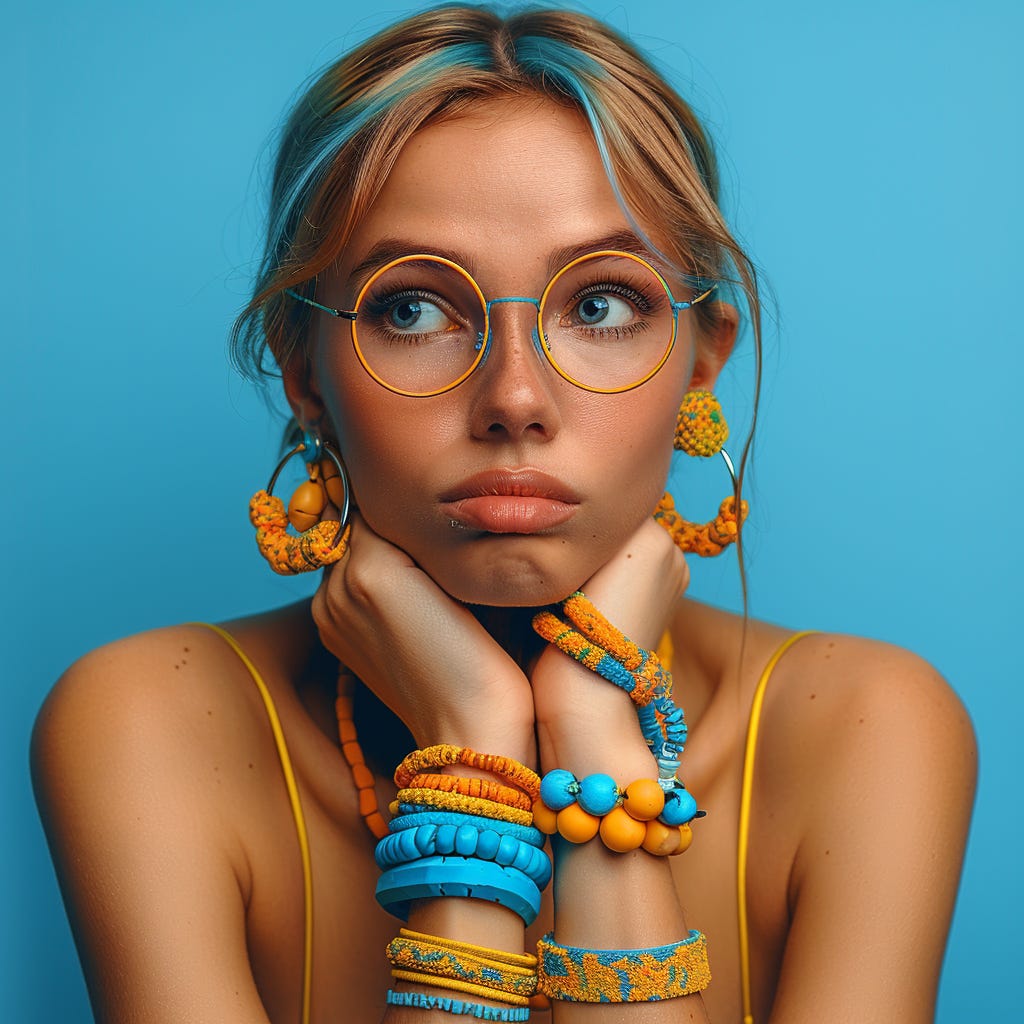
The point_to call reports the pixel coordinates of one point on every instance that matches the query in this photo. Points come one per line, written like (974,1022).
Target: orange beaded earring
(701,430)
(320,542)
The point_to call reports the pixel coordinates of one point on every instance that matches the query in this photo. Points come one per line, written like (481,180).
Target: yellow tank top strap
(746,792)
(296,805)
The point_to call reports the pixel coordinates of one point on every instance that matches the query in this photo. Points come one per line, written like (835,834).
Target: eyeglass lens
(606,323)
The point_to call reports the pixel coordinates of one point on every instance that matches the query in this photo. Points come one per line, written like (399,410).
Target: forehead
(505,185)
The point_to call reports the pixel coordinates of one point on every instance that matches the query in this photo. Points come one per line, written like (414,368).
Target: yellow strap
(746,792)
(300,821)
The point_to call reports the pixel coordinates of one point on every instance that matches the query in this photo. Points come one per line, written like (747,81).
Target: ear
(715,343)
(301,390)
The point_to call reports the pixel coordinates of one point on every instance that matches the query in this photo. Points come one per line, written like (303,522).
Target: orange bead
(643,799)
(685,838)
(544,818)
(367,802)
(308,502)
(620,832)
(660,839)
(362,776)
(347,730)
(353,752)
(575,825)
(332,482)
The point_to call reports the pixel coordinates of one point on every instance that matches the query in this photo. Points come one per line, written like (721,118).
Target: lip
(521,501)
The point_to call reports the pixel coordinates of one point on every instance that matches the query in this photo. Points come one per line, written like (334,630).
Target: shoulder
(837,693)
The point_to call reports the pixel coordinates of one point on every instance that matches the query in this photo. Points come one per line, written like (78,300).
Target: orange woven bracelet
(483,788)
(444,754)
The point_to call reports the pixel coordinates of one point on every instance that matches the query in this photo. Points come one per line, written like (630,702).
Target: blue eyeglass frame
(483,344)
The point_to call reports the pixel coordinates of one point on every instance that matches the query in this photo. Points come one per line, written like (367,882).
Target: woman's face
(516,486)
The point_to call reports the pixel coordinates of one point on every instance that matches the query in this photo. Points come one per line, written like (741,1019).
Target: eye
(603,308)
(419,314)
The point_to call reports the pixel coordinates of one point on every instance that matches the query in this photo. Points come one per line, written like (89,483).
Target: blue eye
(604,310)
(420,314)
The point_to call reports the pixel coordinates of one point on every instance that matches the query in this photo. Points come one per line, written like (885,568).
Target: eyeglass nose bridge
(485,337)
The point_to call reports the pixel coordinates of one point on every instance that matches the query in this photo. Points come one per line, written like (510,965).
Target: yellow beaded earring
(701,430)
(319,542)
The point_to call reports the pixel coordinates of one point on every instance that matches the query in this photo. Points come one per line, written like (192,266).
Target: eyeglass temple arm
(344,314)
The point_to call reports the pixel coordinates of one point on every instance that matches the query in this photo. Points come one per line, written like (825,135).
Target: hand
(421,652)
(585,723)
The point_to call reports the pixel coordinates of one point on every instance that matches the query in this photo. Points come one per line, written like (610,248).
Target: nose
(515,396)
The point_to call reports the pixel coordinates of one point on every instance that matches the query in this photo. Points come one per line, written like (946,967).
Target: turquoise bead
(465,841)
(446,839)
(680,807)
(487,844)
(508,847)
(598,794)
(558,789)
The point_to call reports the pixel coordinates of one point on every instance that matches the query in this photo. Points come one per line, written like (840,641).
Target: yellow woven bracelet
(527,960)
(463,804)
(623,975)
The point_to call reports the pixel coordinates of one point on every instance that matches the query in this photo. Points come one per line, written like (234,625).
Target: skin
(160,785)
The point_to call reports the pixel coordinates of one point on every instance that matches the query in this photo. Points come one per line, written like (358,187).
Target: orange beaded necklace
(369,809)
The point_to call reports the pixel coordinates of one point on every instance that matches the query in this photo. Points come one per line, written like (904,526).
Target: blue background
(872,163)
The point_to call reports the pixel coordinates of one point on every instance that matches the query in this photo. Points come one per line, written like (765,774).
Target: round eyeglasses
(606,322)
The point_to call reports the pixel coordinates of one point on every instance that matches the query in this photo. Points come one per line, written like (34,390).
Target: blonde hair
(345,134)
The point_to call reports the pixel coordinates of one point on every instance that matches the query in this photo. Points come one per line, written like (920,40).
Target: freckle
(176,667)
(813,696)
(827,852)
(831,643)
(860,721)
(210,713)
(187,650)
(250,764)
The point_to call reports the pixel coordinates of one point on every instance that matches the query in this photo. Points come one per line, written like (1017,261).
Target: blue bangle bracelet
(413,815)
(457,876)
(465,841)
(459,1006)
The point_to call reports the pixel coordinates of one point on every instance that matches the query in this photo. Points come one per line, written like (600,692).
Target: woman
(495,268)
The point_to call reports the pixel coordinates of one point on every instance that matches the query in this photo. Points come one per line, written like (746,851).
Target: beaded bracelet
(527,960)
(445,754)
(458,876)
(483,788)
(441,800)
(460,986)
(457,1006)
(623,975)
(642,815)
(439,961)
(413,815)
(465,841)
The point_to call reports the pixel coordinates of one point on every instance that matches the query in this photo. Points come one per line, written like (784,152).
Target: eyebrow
(388,249)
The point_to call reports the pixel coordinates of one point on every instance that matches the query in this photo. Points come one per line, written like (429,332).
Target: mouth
(521,501)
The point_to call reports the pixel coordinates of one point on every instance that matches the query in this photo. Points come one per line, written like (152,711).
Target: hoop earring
(701,431)
(320,542)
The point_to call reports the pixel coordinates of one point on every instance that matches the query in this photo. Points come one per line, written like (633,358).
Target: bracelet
(460,986)
(444,754)
(605,650)
(642,815)
(458,876)
(457,1006)
(464,841)
(441,800)
(623,975)
(440,961)
(527,960)
(413,815)
(484,788)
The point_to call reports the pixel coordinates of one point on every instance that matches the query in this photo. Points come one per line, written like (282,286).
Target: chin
(509,585)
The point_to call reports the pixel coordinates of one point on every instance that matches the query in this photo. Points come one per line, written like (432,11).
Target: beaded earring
(701,430)
(319,542)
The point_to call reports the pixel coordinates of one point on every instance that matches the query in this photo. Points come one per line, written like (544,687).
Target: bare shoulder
(145,757)
(841,693)
(868,760)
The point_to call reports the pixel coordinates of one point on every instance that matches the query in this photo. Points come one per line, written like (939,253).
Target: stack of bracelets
(478,838)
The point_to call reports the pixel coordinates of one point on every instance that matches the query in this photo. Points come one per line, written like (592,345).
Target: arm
(126,789)
(887,779)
